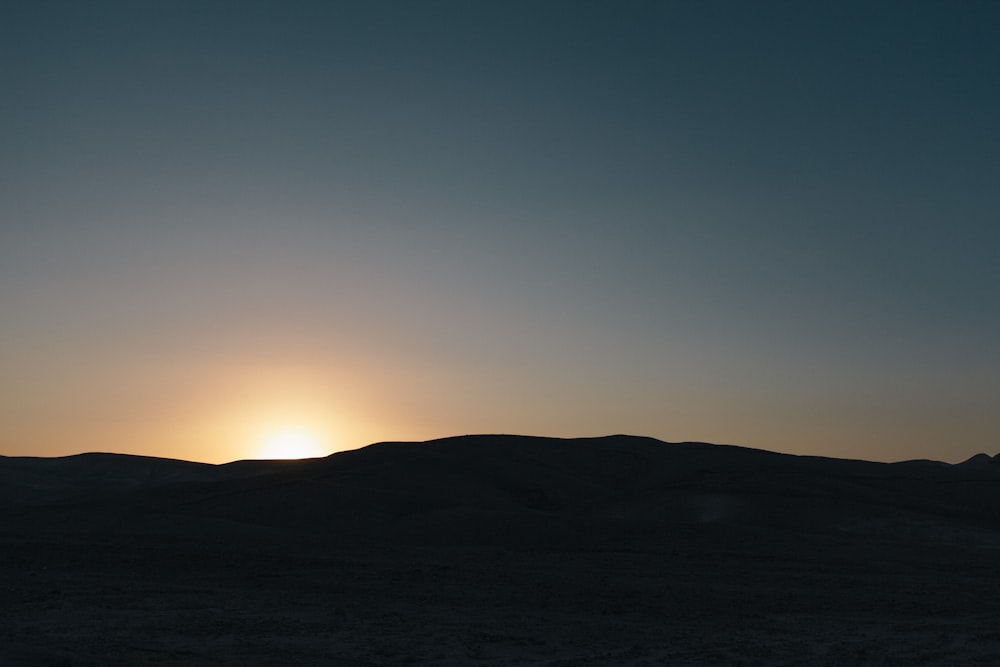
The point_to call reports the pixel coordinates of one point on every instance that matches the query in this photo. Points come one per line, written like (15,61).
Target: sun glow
(291,444)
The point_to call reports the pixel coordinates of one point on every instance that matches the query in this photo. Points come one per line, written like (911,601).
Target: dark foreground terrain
(496,550)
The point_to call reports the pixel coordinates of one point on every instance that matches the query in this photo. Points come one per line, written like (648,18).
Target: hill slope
(502,489)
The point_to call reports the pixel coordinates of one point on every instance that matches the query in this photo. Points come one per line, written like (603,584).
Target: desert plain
(501,550)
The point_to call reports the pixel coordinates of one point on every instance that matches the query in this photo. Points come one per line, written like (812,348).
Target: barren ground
(695,599)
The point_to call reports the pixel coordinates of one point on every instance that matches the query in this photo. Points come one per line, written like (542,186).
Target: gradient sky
(773,224)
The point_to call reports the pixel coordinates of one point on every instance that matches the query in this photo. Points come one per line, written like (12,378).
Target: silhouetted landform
(498,489)
(498,549)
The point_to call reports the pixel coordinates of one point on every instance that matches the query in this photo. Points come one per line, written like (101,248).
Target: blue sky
(772,224)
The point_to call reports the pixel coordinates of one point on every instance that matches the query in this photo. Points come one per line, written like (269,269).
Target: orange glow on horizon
(291,443)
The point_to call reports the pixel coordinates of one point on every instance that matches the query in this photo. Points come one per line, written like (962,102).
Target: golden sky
(762,224)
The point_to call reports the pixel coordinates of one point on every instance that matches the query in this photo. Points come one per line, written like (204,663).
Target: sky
(772,224)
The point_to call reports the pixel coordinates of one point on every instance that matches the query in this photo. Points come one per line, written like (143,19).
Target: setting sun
(291,444)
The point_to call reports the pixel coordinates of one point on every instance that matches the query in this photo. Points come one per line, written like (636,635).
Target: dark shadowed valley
(500,550)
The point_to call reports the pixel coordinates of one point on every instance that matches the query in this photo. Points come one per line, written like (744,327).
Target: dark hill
(502,489)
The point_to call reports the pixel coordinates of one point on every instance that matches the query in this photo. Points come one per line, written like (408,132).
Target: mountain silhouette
(509,490)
